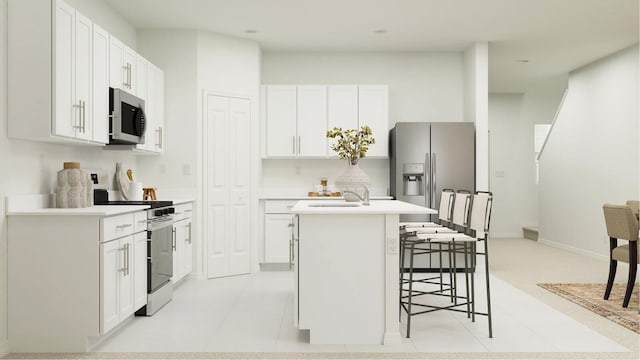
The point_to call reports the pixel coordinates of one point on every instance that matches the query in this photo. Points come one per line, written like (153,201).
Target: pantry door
(227,176)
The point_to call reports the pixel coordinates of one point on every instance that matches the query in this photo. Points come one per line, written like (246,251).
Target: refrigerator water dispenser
(412,175)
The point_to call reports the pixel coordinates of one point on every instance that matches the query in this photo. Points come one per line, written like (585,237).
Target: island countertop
(332,207)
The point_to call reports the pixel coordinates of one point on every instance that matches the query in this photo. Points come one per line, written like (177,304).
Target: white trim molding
(4,347)
(574,249)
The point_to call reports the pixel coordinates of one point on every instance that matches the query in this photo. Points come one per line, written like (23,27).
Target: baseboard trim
(508,235)
(573,249)
(4,348)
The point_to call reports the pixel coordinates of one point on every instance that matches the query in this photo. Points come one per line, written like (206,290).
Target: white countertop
(97,210)
(298,197)
(376,207)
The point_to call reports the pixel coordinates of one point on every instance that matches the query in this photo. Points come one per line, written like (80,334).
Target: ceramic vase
(352,179)
(75,188)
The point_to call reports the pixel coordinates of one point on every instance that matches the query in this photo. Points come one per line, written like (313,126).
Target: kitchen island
(346,270)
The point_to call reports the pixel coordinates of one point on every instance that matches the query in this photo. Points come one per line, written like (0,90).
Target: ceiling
(553,36)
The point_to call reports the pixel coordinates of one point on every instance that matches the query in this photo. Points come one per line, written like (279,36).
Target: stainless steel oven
(159,259)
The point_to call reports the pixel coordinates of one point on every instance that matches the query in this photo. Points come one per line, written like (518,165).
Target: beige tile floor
(253,314)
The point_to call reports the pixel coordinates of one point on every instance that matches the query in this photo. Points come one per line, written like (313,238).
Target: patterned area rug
(590,296)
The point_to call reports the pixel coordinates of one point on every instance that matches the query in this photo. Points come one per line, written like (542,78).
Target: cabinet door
(154,108)
(100,99)
(117,69)
(83,76)
(342,108)
(373,111)
(178,239)
(66,116)
(139,270)
(130,60)
(277,238)
(141,77)
(126,277)
(187,245)
(312,121)
(281,120)
(109,280)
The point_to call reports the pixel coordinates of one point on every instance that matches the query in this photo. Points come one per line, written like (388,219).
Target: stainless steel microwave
(127,122)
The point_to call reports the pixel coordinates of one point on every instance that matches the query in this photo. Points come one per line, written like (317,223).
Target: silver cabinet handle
(128,259)
(189,232)
(123,226)
(188,210)
(129,75)
(84,116)
(299,145)
(159,142)
(293,140)
(174,240)
(79,106)
(126,75)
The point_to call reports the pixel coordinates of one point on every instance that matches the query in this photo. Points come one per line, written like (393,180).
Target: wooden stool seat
(149,193)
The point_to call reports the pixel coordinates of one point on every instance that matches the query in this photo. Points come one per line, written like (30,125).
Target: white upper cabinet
(100,103)
(298,117)
(312,121)
(281,120)
(122,66)
(296,121)
(140,83)
(373,111)
(51,81)
(153,106)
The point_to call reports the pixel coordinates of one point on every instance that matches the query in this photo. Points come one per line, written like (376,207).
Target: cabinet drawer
(140,221)
(183,211)
(279,206)
(117,226)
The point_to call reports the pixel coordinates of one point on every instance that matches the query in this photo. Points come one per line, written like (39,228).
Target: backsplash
(298,177)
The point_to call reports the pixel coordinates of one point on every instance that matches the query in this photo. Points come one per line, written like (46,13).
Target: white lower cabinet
(123,272)
(182,242)
(278,231)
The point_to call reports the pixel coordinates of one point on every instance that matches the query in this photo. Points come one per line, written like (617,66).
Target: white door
(312,121)
(100,98)
(281,120)
(227,178)
(373,111)
(83,76)
(65,119)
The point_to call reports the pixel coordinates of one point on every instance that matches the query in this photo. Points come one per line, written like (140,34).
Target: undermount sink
(336,205)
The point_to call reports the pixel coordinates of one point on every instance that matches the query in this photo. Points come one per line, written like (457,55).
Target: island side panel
(392,286)
(54,282)
(342,278)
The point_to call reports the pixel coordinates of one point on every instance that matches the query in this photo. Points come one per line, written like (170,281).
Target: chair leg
(613,265)
(486,270)
(401,278)
(410,292)
(633,268)
(632,279)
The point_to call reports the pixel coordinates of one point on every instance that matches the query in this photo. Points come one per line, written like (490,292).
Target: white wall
(511,158)
(592,154)
(107,18)
(476,91)
(176,53)
(30,167)
(423,86)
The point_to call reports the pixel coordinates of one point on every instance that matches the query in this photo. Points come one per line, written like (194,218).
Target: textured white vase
(352,179)
(75,188)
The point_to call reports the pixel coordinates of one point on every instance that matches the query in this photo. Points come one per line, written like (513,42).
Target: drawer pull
(123,226)
(188,210)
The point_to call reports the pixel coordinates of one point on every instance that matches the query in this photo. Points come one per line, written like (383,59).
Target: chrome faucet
(365,199)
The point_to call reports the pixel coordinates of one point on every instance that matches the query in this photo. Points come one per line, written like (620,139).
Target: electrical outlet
(162,169)
(186,169)
(296,170)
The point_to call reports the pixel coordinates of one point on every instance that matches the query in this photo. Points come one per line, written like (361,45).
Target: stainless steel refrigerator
(426,158)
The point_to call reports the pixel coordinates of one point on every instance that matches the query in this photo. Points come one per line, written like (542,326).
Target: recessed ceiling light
(251,31)
(380,31)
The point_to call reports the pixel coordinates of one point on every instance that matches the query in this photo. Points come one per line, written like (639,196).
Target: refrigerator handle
(427,180)
(433,178)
